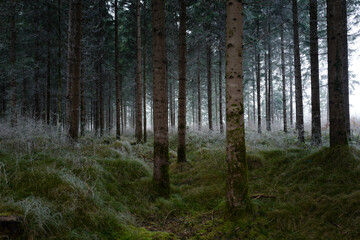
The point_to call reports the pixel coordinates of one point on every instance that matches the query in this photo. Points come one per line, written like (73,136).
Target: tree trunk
(298,84)
(117,80)
(37,63)
(267,95)
(138,126)
(199,92)
(258,86)
(161,143)
(101,97)
(283,78)
(336,48)
(291,87)
(48,67)
(82,102)
(181,157)
(74,61)
(144,96)
(220,91)
(209,92)
(314,61)
(270,88)
(13,63)
(59,64)
(237,181)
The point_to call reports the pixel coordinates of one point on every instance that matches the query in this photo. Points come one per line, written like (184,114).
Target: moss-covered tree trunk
(237,180)
(315,91)
(182,85)
(74,61)
(336,48)
(161,144)
(298,83)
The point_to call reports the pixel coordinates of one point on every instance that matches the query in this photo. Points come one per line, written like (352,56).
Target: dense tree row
(96,65)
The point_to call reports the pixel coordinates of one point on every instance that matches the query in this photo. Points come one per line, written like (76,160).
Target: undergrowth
(101,188)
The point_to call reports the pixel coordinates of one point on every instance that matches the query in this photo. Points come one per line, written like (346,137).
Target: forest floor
(101,188)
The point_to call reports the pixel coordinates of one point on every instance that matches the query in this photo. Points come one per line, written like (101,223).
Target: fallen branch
(262,195)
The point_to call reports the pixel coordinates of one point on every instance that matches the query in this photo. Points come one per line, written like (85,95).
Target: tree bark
(258,86)
(48,68)
(237,181)
(199,92)
(209,82)
(291,88)
(59,65)
(161,144)
(181,156)
(37,63)
(74,61)
(346,70)
(82,101)
(13,63)
(298,83)
(270,88)
(336,48)
(315,91)
(117,80)
(220,91)
(138,126)
(283,79)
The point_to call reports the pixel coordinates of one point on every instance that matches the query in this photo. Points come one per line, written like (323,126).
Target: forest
(179,119)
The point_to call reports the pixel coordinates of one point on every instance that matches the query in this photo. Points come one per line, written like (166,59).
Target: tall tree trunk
(258,86)
(315,92)
(181,157)
(82,101)
(199,92)
(13,63)
(298,84)
(161,143)
(283,78)
(172,120)
(37,63)
(48,67)
(270,88)
(220,91)
(336,48)
(237,181)
(209,82)
(74,61)
(117,80)
(144,96)
(267,95)
(138,127)
(59,64)
(253,95)
(101,98)
(291,87)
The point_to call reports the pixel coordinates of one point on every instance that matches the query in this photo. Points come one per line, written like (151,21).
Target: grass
(102,188)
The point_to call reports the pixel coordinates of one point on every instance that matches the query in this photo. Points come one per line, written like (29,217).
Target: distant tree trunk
(216,102)
(283,78)
(13,62)
(144,96)
(82,102)
(270,88)
(336,48)
(59,64)
(209,92)
(267,95)
(37,63)
(346,70)
(237,181)
(291,88)
(314,61)
(220,91)
(117,80)
(298,84)
(253,95)
(74,61)
(101,97)
(161,144)
(138,127)
(258,86)
(199,92)
(181,156)
(109,112)
(172,120)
